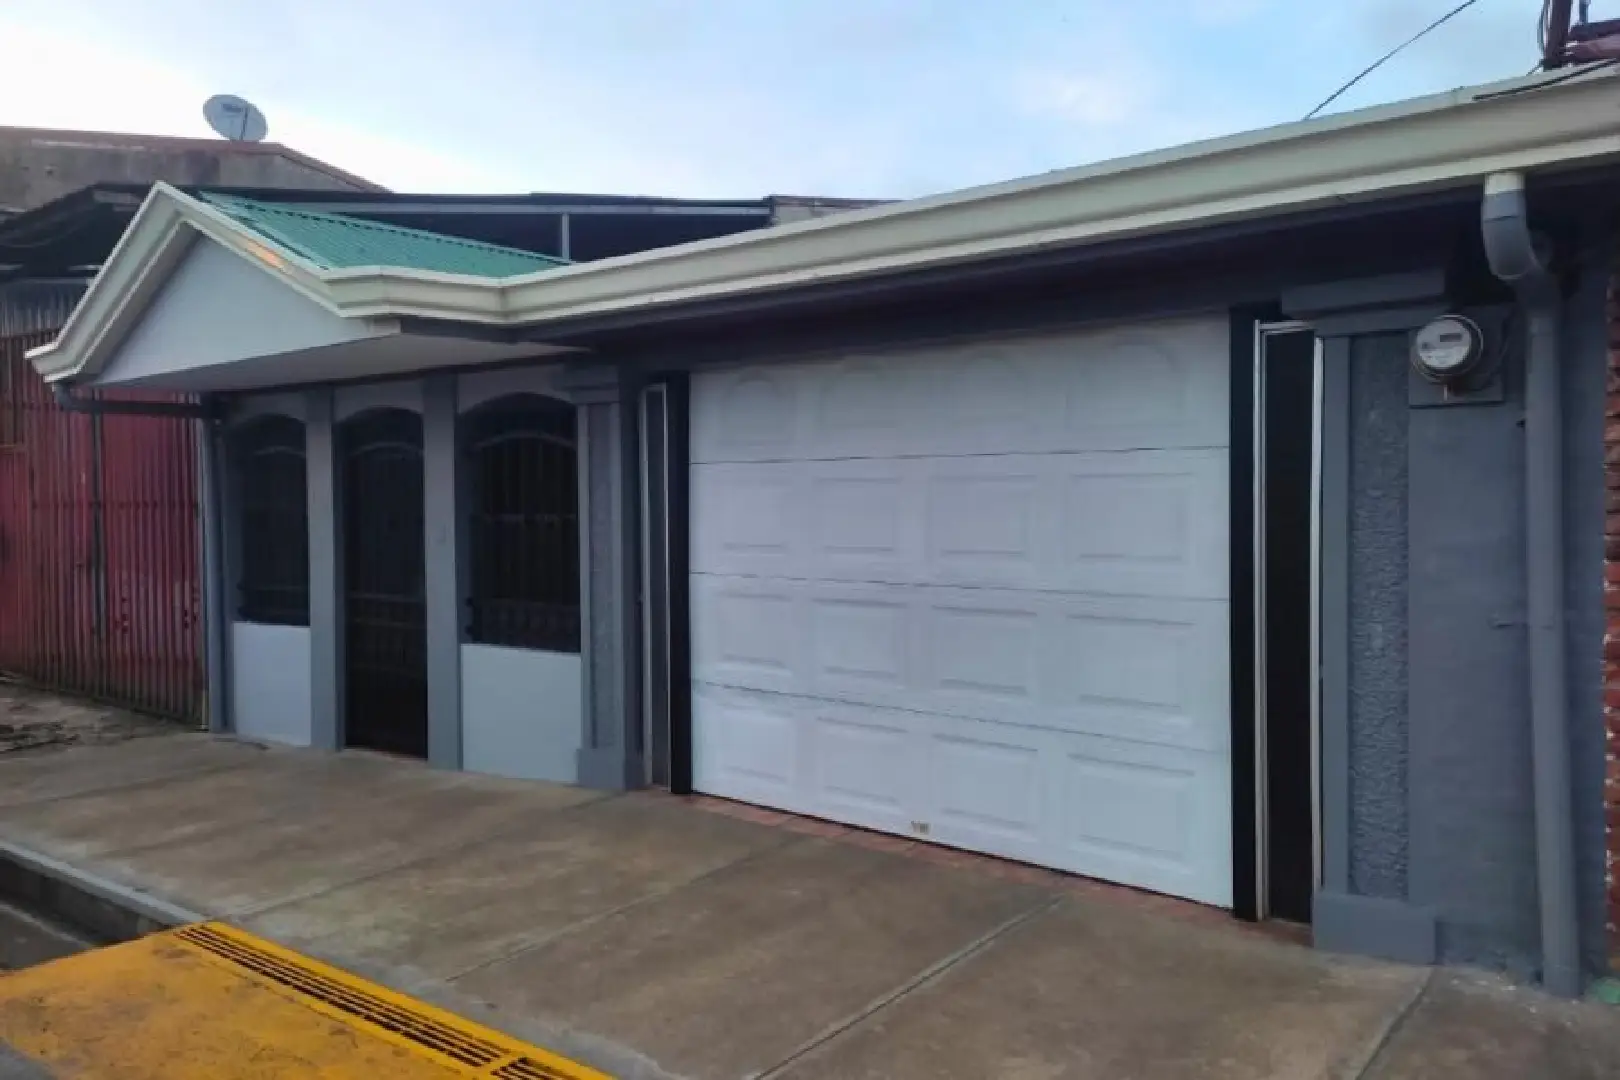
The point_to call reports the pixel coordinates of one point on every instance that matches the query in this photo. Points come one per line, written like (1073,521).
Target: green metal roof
(337,242)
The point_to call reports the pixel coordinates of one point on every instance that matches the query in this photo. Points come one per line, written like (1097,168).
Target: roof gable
(216,309)
(339,242)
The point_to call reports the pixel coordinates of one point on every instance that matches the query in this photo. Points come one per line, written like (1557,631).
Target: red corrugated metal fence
(99,564)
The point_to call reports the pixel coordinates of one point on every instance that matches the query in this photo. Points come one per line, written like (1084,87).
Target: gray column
(1362,904)
(442,514)
(610,738)
(325,572)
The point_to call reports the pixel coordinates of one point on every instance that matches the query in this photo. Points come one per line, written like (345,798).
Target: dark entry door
(384,610)
(1287,538)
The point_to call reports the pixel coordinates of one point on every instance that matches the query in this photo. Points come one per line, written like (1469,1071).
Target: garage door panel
(749,633)
(1149,523)
(988,521)
(1148,670)
(1145,524)
(1143,386)
(987,398)
(863,643)
(976,594)
(987,788)
(1156,816)
(1145,669)
(1147,673)
(748,414)
(752,746)
(747,519)
(861,519)
(1160,385)
(859,763)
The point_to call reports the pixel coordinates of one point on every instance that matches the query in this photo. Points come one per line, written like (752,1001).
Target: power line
(1382,60)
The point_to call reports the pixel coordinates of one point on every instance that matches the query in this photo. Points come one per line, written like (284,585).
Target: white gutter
(1449,140)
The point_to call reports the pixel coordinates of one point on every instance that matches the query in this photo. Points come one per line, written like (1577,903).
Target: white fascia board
(371,291)
(1430,144)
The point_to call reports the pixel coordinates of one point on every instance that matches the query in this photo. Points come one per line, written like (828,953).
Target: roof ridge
(259,206)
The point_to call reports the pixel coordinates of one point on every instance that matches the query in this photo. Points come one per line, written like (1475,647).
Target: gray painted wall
(349,401)
(270,682)
(474,388)
(219,308)
(1441,803)
(520,712)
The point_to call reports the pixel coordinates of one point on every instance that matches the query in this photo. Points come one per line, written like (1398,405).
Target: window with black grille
(523,524)
(273,505)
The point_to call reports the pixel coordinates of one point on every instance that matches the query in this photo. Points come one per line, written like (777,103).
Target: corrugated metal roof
(337,242)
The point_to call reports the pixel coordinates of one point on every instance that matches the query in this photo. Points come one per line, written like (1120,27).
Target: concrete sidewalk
(654,937)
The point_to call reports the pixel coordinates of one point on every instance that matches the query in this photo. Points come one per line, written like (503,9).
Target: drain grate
(478,1050)
(526,1068)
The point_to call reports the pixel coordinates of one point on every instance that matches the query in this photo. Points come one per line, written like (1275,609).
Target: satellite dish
(235,118)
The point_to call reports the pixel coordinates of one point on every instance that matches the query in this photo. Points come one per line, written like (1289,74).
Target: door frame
(350,442)
(665,619)
(1250,822)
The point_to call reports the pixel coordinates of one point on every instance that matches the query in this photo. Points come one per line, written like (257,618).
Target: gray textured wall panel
(1378,460)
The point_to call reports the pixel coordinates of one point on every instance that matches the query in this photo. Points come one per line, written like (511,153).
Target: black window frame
(271,520)
(520,479)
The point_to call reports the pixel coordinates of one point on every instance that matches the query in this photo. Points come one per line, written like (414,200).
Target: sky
(732,98)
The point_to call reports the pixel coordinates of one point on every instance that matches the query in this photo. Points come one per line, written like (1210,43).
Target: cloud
(1223,12)
(724,97)
(1100,100)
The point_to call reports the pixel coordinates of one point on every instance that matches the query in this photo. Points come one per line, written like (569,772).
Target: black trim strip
(678,471)
(1245,847)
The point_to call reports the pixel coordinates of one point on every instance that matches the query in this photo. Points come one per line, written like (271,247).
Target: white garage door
(978,595)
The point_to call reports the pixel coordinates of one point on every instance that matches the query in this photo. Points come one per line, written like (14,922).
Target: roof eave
(1383,153)
(387,291)
(1438,143)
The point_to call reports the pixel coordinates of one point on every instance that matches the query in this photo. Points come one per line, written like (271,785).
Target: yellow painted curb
(210,1000)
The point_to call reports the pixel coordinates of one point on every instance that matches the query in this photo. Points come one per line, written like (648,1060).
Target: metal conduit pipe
(1516,258)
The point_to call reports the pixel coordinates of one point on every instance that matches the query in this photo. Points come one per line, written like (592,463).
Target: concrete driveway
(653,936)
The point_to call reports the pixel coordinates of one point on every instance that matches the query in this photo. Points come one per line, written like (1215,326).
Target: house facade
(100,575)
(1227,522)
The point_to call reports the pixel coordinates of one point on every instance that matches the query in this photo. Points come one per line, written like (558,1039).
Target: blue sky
(731,98)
